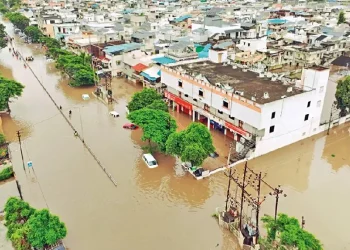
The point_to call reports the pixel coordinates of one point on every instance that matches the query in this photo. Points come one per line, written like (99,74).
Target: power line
(68,122)
(32,167)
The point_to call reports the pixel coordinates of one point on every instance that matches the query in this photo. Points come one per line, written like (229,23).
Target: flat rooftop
(247,82)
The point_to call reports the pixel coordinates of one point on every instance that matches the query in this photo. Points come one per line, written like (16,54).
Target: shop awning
(235,128)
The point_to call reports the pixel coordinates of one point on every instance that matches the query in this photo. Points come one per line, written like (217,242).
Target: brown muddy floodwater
(153,208)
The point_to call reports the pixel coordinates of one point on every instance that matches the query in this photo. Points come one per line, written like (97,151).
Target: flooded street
(153,208)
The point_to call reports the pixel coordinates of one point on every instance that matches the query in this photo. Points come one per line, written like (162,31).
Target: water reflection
(334,152)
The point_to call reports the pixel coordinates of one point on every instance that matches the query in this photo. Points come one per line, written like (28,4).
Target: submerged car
(131,126)
(114,113)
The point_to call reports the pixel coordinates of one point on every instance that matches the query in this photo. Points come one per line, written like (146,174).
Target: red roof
(139,67)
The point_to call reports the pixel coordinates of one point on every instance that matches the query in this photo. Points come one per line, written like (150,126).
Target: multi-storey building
(267,113)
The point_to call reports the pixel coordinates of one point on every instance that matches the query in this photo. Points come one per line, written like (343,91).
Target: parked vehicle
(214,155)
(114,113)
(130,126)
(150,160)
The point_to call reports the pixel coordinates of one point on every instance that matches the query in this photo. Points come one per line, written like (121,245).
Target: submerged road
(152,208)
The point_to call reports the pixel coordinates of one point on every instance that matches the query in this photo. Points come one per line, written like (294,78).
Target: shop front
(181,105)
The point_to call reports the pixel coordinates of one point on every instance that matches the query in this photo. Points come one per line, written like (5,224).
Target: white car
(149,160)
(114,113)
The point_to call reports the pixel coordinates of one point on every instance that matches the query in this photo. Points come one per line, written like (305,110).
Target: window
(200,92)
(319,104)
(308,104)
(117,63)
(220,112)
(272,129)
(240,123)
(225,104)
(186,95)
(273,115)
(321,89)
(231,117)
(248,44)
(306,117)
(180,83)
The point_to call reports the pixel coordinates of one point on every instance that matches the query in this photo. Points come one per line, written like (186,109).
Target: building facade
(270,114)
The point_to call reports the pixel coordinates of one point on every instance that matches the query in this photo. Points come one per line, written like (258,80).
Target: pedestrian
(75,133)
(70,112)
(60,107)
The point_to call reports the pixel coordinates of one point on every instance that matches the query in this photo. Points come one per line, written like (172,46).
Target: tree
(33,33)
(194,153)
(158,105)
(286,231)
(9,89)
(2,139)
(142,99)
(157,125)
(19,238)
(193,144)
(18,20)
(17,211)
(3,37)
(342,95)
(83,77)
(341,17)
(45,229)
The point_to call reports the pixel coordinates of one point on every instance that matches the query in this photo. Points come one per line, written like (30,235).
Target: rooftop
(247,82)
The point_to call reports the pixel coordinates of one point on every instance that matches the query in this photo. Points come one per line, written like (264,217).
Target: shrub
(6,173)
(2,139)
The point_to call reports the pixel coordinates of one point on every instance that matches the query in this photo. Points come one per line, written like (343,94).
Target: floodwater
(153,208)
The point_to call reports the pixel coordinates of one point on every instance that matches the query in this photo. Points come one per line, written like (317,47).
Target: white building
(264,114)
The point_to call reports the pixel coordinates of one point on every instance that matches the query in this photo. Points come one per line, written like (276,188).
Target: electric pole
(242,197)
(229,179)
(277,193)
(20,146)
(258,208)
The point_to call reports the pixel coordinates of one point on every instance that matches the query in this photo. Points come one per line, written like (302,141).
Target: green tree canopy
(3,41)
(17,210)
(342,95)
(341,17)
(286,231)
(156,125)
(34,33)
(158,105)
(45,229)
(193,144)
(2,139)
(142,99)
(9,89)
(18,20)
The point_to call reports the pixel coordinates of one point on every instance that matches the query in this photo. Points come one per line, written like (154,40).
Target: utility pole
(242,197)
(334,105)
(277,193)
(258,208)
(20,146)
(229,179)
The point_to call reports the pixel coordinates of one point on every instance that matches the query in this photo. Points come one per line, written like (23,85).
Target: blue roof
(128,11)
(205,52)
(122,47)
(182,18)
(163,60)
(148,76)
(276,21)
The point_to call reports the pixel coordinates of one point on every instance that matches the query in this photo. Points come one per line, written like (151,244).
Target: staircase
(248,145)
